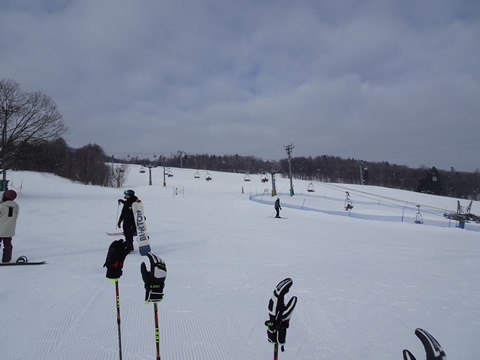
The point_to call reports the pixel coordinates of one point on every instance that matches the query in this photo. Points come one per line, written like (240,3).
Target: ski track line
(321,334)
(138,324)
(14,318)
(206,332)
(64,331)
(61,331)
(202,336)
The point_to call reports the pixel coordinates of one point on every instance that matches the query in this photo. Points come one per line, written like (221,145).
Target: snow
(363,285)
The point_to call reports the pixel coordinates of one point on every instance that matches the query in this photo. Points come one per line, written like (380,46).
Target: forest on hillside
(90,165)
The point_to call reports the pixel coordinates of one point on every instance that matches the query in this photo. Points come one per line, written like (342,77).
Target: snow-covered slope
(363,286)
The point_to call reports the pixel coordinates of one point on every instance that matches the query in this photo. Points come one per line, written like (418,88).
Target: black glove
(280,313)
(432,347)
(154,279)
(117,252)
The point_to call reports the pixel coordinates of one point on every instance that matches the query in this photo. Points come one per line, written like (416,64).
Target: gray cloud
(377,80)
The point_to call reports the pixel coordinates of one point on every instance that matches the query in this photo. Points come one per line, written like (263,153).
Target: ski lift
(310,187)
(208,177)
(418,216)
(196,175)
(247,178)
(348,202)
(169,173)
(142,170)
(264,179)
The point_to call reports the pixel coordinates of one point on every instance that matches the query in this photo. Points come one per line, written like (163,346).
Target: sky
(375,80)
(364,284)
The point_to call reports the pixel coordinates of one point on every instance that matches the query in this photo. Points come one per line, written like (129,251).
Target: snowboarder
(129,228)
(9,210)
(277,207)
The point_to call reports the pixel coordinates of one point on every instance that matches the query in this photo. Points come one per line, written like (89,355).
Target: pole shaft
(118,320)
(157,339)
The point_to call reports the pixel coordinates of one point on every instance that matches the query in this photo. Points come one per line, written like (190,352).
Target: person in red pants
(9,210)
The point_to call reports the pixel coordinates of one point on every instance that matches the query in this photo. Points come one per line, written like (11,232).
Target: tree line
(324,168)
(90,165)
(31,129)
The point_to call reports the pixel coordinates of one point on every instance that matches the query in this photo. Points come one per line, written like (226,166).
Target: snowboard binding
(22,259)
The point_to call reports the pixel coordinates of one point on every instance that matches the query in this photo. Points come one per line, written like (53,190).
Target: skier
(129,228)
(9,210)
(277,207)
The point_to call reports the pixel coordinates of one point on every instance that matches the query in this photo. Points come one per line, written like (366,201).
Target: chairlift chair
(348,202)
(208,177)
(247,178)
(310,187)
(169,173)
(418,216)
(196,175)
(265,179)
(142,170)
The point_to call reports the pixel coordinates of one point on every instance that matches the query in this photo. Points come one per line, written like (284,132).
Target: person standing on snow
(127,217)
(9,210)
(277,207)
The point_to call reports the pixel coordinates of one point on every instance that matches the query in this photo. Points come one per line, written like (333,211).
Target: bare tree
(119,175)
(25,118)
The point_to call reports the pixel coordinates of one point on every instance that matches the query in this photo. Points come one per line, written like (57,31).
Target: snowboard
(142,235)
(23,263)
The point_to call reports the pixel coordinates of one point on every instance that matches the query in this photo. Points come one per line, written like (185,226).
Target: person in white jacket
(8,222)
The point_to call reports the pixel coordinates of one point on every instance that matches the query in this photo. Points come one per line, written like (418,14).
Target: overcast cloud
(377,80)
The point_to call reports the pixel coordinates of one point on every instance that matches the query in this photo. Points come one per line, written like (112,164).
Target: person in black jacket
(277,207)
(129,228)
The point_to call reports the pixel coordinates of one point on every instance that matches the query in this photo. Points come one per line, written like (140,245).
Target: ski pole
(118,320)
(116,219)
(154,283)
(157,340)
(275,351)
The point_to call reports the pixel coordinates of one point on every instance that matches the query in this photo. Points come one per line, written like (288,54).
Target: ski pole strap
(278,324)
(160,298)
